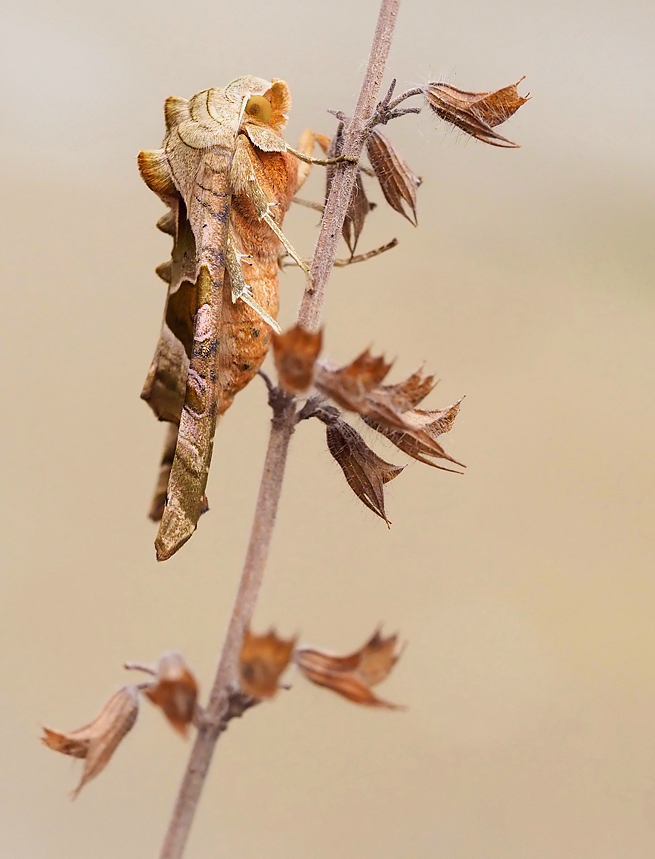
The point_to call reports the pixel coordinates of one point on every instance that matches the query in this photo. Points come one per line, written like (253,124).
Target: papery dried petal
(398,182)
(263,659)
(67,744)
(295,352)
(419,438)
(378,657)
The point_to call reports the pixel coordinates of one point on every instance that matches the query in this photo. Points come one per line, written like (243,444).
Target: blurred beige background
(525,589)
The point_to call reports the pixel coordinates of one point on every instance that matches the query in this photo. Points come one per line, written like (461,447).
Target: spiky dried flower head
(390,409)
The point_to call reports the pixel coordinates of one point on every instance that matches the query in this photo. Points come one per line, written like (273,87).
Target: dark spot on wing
(202,350)
(211,191)
(217,255)
(220,215)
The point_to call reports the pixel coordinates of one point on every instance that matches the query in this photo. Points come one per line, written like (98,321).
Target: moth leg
(304,152)
(268,219)
(325,162)
(244,180)
(240,288)
(309,204)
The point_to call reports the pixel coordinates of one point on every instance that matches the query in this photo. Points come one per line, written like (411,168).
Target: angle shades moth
(227,177)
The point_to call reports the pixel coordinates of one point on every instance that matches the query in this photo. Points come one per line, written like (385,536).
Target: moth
(227,177)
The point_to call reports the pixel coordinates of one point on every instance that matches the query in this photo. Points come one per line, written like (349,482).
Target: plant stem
(270,488)
(282,426)
(345,175)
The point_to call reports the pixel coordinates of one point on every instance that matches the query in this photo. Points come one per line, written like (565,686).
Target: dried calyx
(265,657)
(476,113)
(97,741)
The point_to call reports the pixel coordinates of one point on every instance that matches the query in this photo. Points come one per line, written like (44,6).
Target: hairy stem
(345,175)
(410,93)
(282,426)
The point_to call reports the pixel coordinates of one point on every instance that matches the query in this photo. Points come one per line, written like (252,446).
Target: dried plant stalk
(281,430)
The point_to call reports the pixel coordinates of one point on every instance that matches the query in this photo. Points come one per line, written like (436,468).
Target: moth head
(237,89)
(259,108)
(264,104)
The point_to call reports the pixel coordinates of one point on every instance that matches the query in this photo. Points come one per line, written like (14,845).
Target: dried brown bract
(174,690)
(349,385)
(97,741)
(411,391)
(295,352)
(358,209)
(352,676)
(364,470)
(476,113)
(389,409)
(398,183)
(262,661)
(419,439)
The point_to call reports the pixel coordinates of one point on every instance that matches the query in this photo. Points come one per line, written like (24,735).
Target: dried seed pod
(398,183)
(263,659)
(352,676)
(174,690)
(364,470)
(476,113)
(97,741)
(426,427)
(356,213)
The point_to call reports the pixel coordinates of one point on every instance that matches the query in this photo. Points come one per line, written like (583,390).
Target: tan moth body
(226,175)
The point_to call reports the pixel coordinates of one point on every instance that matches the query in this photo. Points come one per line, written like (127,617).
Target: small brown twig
(342,262)
(221,706)
(367,255)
